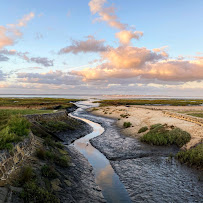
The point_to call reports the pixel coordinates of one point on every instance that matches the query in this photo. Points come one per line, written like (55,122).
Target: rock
(3,194)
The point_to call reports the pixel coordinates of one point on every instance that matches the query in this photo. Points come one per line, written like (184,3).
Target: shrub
(160,135)
(143,129)
(48,172)
(127,124)
(33,193)
(192,157)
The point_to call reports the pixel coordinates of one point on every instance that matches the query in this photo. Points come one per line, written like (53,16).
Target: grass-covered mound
(192,157)
(165,135)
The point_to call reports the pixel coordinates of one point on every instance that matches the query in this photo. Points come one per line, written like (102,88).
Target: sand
(141,116)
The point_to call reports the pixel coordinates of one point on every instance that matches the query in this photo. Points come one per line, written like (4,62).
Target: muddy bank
(82,186)
(146,172)
(75,183)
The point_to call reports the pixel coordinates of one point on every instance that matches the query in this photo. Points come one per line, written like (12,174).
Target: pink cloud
(125,36)
(9,33)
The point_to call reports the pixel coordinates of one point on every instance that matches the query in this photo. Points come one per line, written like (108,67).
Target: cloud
(52,77)
(89,45)
(23,22)
(129,57)
(43,61)
(24,55)
(106,14)
(5,39)
(162,50)
(11,32)
(3,58)
(125,36)
(133,62)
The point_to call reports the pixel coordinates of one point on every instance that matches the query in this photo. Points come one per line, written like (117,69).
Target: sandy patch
(141,116)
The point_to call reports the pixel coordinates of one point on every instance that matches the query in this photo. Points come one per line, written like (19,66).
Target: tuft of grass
(62,161)
(124,115)
(192,157)
(48,172)
(127,124)
(143,129)
(155,125)
(161,135)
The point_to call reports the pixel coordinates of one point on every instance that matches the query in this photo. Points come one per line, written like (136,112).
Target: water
(112,188)
(145,170)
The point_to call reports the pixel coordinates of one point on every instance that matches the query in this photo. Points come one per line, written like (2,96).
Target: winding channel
(145,170)
(112,188)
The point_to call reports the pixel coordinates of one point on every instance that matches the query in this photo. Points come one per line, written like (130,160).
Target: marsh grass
(163,135)
(143,129)
(15,130)
(170,102)
(57,126)
(192,157)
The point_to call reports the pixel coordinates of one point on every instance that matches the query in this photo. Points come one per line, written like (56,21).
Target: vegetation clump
(48,171)
(14,131)
(127,124)
(164,135)
(192,157)
(155,125)
(143,129)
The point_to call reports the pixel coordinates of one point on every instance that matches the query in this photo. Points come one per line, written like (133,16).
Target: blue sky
(176,24)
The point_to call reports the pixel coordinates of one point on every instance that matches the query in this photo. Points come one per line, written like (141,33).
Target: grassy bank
(171,102)
(166,135)
(192,157)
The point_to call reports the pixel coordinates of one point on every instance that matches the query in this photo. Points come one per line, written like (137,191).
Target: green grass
(192,157)
(163,135)
(127,124)
(15,130)
(155,125)
(143,129)
(171,102)
(200,115)
(56,126)
(37,102)
(5,114)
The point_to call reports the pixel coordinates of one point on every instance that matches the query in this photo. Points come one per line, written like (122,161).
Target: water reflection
(112,189)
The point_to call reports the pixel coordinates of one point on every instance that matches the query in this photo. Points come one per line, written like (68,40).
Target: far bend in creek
(145,172)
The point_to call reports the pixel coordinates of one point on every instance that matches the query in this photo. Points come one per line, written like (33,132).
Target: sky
(148,47)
